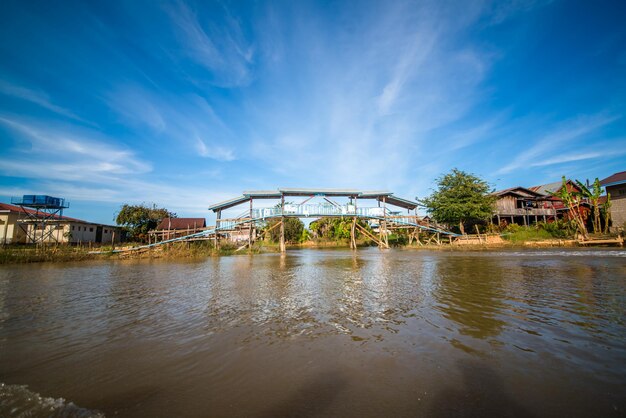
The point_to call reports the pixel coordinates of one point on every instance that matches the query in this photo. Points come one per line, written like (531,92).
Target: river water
(318,333)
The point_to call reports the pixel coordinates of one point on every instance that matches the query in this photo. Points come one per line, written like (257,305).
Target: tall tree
(460,197)
(593,194)
(139,219)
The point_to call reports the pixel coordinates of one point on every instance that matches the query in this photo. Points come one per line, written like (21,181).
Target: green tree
(293,229)
(460,197)
(137,220)
(334,229)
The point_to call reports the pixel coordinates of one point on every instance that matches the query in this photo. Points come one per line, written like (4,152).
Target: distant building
(16,228)
(551,189)
(177,227)
(555,187)
(524,206)
(178,224)
(616,186)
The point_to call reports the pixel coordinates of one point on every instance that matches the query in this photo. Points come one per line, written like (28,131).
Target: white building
(17,228)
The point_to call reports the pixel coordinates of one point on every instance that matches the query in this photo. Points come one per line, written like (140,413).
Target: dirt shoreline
(182,251)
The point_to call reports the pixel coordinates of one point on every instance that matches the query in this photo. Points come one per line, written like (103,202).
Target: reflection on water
(310,333)
(472,297)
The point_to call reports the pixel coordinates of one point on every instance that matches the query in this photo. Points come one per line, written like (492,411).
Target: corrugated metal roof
(181,223)
(520,191)
(288,191)
(271,194)
(229,203)
(400,202)
(617,178)
(375,193)
(263,194)
(547,189)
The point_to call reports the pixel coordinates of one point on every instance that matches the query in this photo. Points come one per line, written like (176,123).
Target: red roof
(181,223)
(19,209)
(616,178)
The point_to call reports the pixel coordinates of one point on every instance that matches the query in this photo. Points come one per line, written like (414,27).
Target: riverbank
(190,250)
(63,253)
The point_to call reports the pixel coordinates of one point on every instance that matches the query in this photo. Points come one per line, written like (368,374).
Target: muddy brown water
(318,333)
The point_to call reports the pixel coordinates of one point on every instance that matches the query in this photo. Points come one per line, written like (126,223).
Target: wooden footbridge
(386,214)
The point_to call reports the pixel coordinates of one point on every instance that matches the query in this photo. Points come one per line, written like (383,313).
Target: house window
(90,229)
(106,232)
(73,227)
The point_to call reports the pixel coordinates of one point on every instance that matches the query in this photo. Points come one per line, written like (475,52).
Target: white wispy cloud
(37,97)
(85,165)
(214,152)
(66,153)
(563,137)
(186,122)
(501,11)
(598,151)
(222,50)
(372,96)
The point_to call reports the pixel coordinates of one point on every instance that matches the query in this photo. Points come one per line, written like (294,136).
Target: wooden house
(177,227)
(616,186)
(551,189)
(523,206)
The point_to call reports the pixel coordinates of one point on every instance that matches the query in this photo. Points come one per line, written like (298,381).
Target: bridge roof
(263,194)
(277,194)
(229,203)
(400,202)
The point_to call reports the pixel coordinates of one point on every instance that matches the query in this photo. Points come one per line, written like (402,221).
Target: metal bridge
(383,216)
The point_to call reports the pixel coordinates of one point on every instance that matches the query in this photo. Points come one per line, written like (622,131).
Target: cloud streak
(562,138)
(222,50)
(182,121)
(37,97)
(67,153)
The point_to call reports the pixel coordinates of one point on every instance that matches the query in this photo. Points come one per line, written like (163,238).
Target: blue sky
(188,103)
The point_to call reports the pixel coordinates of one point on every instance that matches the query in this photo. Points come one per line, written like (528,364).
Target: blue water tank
(28,199)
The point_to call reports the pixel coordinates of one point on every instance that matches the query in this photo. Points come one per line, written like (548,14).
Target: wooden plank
(367,233)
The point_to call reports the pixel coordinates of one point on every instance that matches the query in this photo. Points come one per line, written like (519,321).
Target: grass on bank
(538,232)
(33,254)
(19,254)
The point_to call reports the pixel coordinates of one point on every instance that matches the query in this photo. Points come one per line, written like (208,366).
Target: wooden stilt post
(250,231)
(386,236)
(353,229)
(217,226)
(283,248)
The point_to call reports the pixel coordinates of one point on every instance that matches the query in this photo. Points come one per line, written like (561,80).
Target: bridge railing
(308,210)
